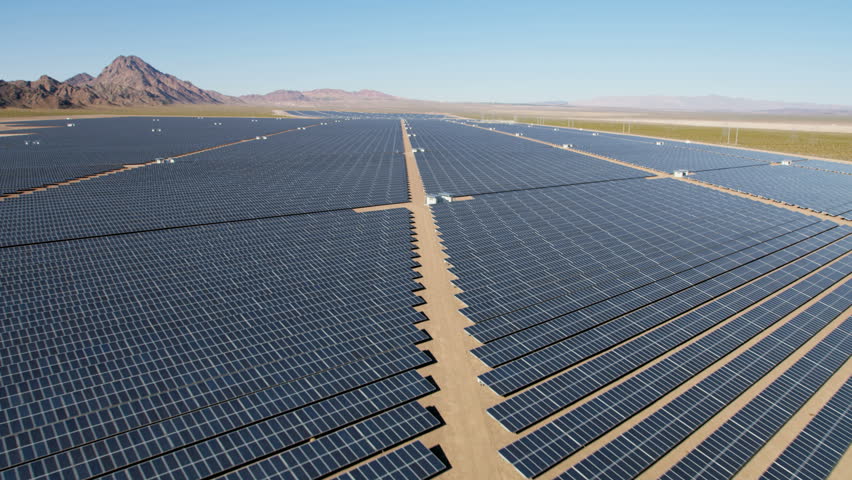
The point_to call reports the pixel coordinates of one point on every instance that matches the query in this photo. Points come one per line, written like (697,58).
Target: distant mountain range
(706,103)
(130,81)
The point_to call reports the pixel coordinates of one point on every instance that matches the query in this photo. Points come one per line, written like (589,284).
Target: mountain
(131,81)
(323,95)
(80,79)
(706,103)
(127,81)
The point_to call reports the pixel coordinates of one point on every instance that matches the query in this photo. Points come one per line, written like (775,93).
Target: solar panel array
(572,289)
(224,343)
(818,190)
(179,321)
(346,165)
(464,161)
(52,153)
(229,315)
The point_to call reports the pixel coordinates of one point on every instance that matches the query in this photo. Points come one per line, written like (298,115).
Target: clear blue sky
(511,51)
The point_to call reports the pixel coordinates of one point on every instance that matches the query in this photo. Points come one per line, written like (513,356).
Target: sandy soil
(470,437)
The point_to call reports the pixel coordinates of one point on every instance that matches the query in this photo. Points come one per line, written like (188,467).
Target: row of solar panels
(330,167)
(51,152)
(268,348)
(574,289)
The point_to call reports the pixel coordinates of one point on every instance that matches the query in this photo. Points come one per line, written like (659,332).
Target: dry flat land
(837,123)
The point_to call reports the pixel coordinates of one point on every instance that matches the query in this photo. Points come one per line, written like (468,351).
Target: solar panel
(411,462)
(609,290)
(235,448)
(531,248)
(670,296)
(229,314)
(365,115)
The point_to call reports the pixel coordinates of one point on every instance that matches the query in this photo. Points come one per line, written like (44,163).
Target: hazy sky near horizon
(504,51)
